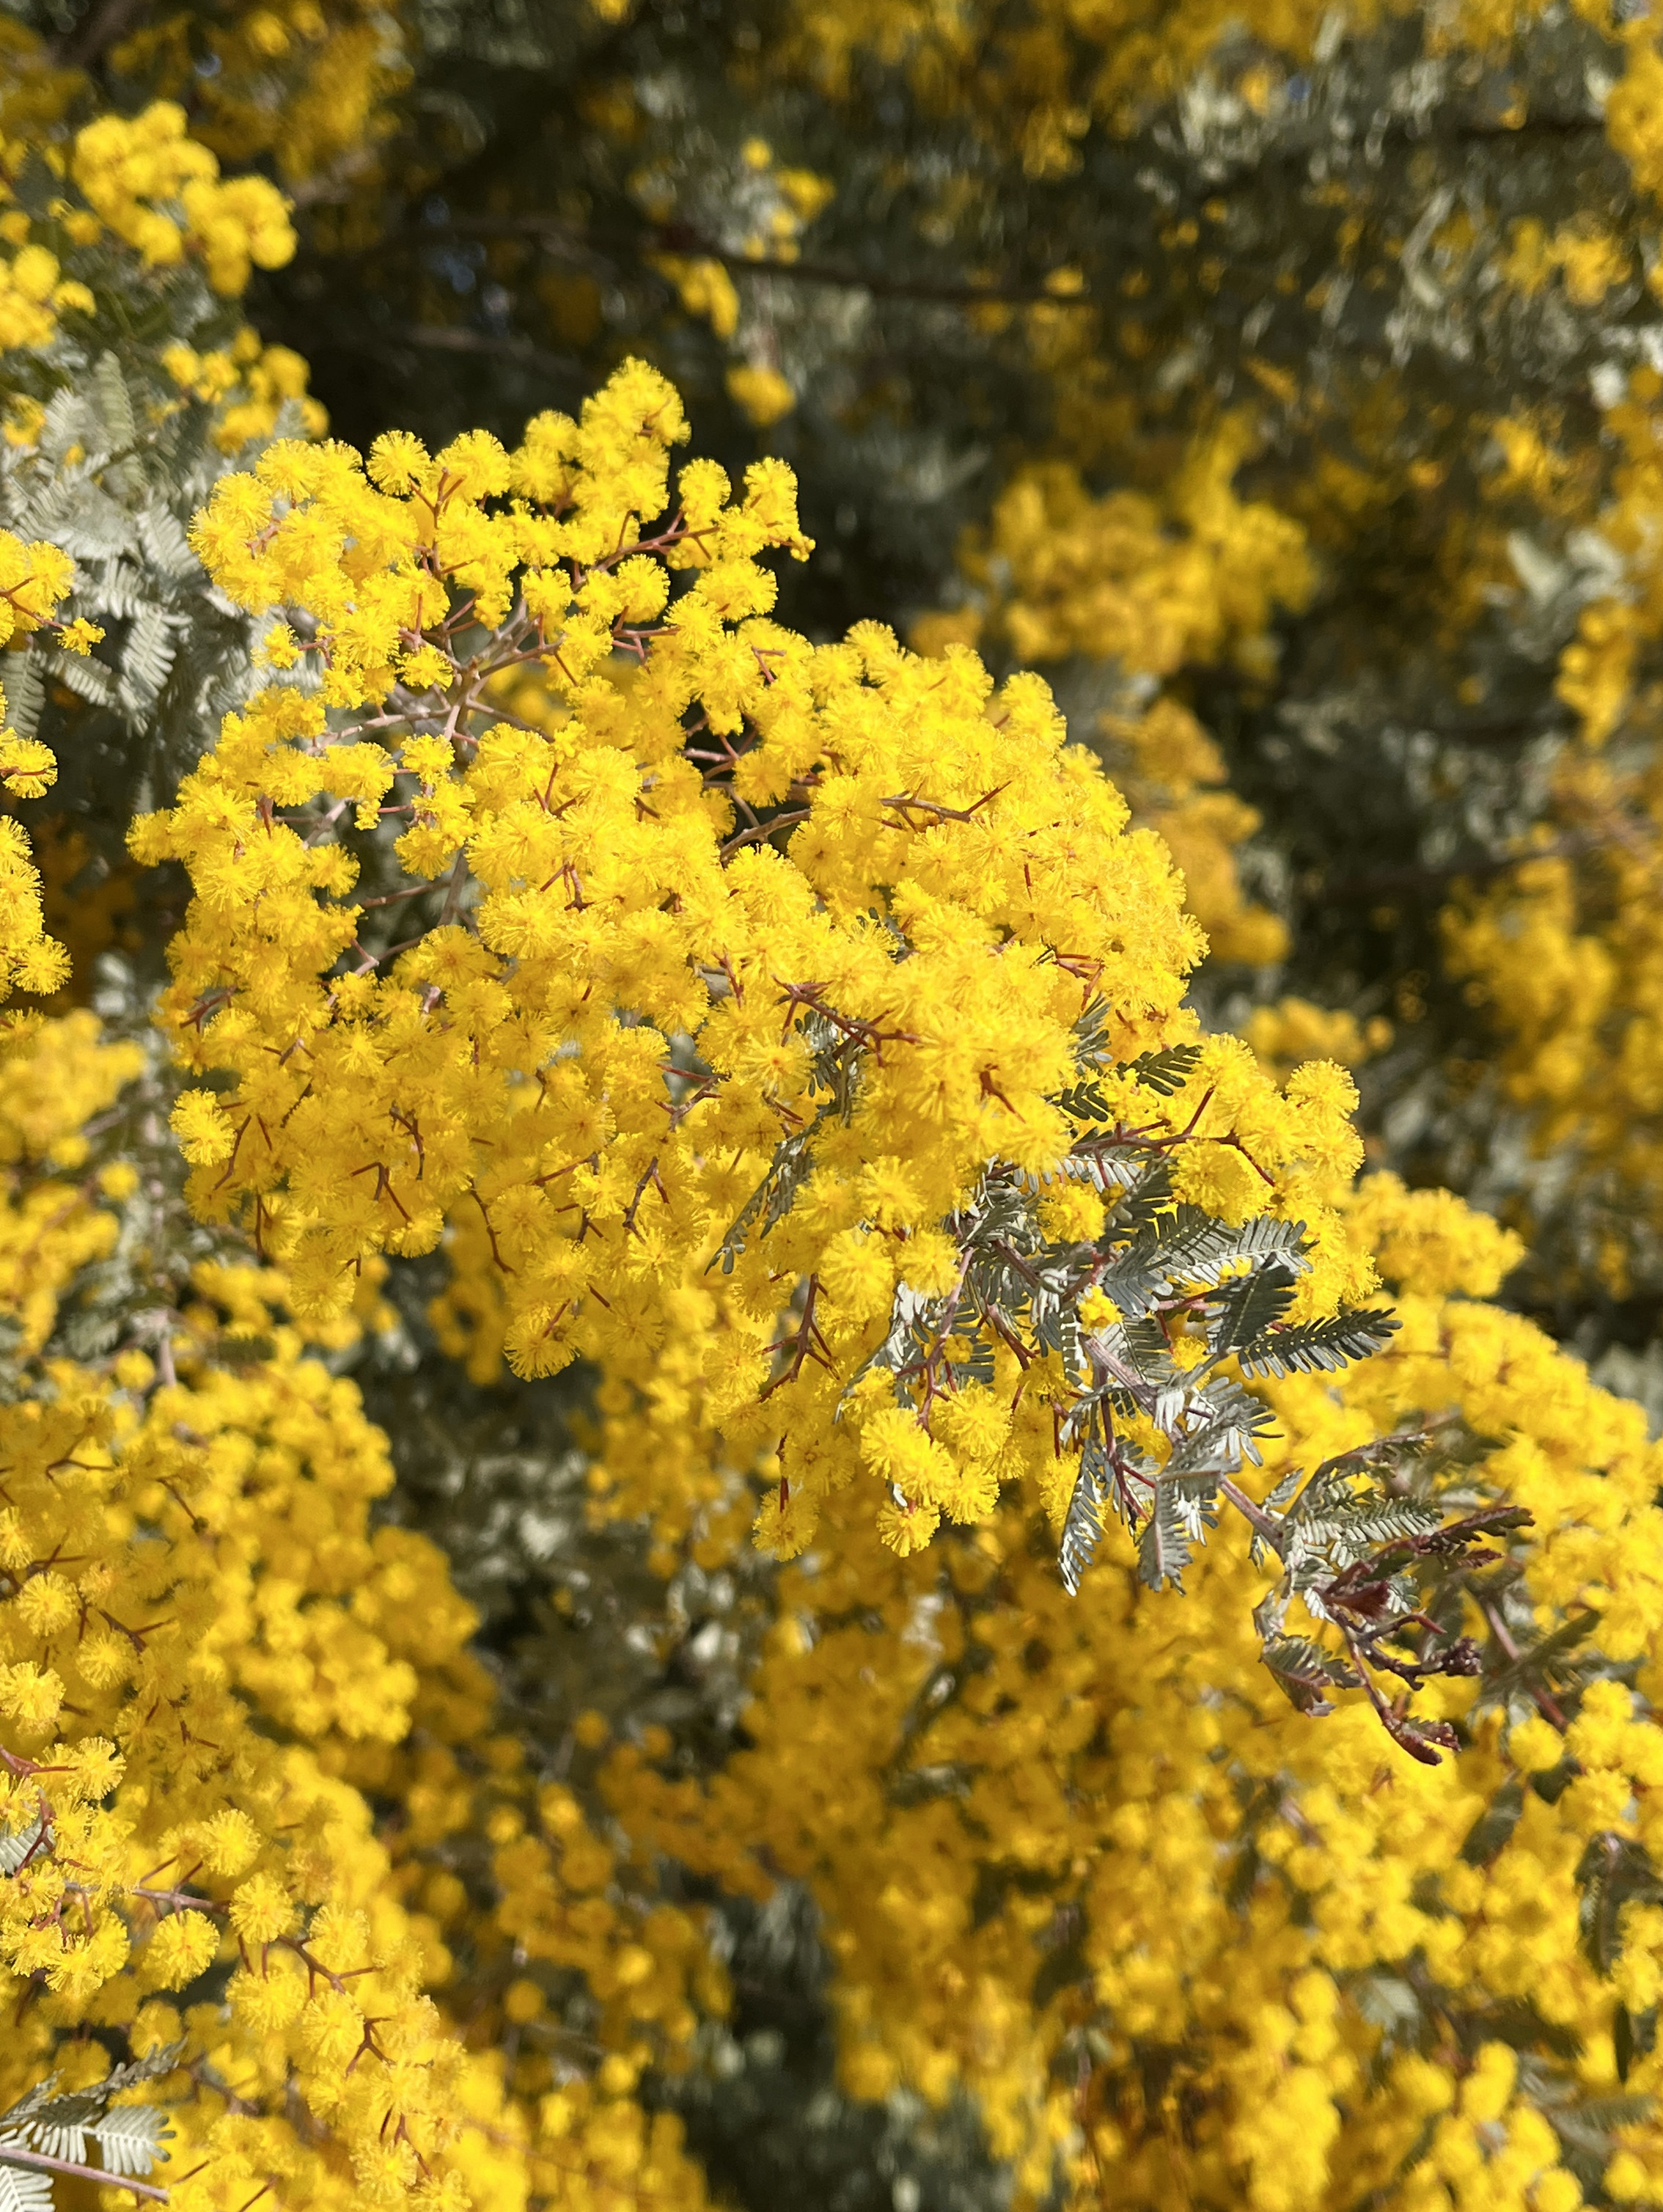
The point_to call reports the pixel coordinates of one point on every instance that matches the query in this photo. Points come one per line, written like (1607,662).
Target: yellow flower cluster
(129,171)
(168,1830)
(724,900)
(1561,955)
(763,392)
(1597,669)
(764,218)
(209,1660)
(1147,582)
(1633,109)
(561,1904)
(705,289)
(1562,952)
(306,82)
(1588,259)
(1172,777)
(248,384)
(57,1076)
(34,580)
(86,904)
(32,295)
(35,95)
(144,183)
(1149,585)
(686,913)
(1294,1031)
(29,959)
(1080,1858)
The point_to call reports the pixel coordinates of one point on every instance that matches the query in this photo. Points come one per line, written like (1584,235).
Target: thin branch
(681,239)
(761,830)
(1545,1703)
(392,898)
(1263,1525)
(81,47)
(806,1343)
(13,2154)
(454,893)
(457,337)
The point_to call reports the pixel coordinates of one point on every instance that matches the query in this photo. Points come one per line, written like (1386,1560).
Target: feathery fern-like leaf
(1082,1525)
(1251,1305)
(1165,1071)
(23,2189)
(131,2137)
(1314,1346)
(1163,1548)
(18,1846)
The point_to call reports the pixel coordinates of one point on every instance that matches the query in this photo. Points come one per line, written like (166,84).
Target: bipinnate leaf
(131,2137)
(1163,1071)
(1082,1525)
(1164,1547)
(1304,1671)
(19,1845)
(1316,1346)
(23,2188)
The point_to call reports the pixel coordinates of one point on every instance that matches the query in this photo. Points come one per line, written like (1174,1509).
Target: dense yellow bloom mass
(1121,1762)
(1146,583)
(34,580)
(124,168)
(143,184)
(1144,586)
(671,898)
(304,81)
(208,1657)
(1562,952)
(693,987)
(985,1782)
(632,997)
(1172,776)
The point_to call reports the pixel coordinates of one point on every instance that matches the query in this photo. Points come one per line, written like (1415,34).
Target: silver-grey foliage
(46,2133)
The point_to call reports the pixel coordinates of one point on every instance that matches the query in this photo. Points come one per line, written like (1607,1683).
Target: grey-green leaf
(1316,1346)
(1163,1549)
(22,2188)
(131,2137)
